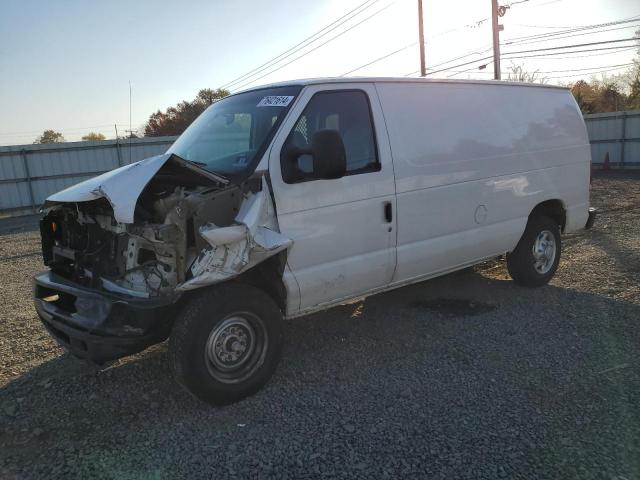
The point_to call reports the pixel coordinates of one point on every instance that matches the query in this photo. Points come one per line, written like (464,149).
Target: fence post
(623,138)
(27,173)
(118,151)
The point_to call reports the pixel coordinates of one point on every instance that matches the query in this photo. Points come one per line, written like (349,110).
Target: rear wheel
(226,342)
(535,259)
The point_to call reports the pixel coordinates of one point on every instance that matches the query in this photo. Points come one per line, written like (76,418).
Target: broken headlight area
(84,243)
(185,235)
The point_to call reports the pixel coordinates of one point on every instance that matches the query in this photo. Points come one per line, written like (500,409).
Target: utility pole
(496,39)
(423,67)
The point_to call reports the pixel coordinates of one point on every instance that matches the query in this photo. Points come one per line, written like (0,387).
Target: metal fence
(30,173)
(615,136)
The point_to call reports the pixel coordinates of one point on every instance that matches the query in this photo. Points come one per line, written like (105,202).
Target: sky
(67,64)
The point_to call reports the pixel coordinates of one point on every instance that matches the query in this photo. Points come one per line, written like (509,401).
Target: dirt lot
(466,376)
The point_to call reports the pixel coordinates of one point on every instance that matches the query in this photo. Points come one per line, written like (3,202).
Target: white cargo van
(287,199)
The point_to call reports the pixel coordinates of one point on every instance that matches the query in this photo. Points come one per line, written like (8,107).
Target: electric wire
(380,58)
(377,12)
(302,44)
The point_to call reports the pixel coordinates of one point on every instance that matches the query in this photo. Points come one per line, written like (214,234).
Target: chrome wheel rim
(236,347)
(544,252)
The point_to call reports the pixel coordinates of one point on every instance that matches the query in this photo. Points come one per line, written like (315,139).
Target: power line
(468,70)
(380,58)
(635,18)
(316,47)
(478,23)
(514,40)
(588,73)
(576,45)
(620,65)
(479,52)
(307,41)
(546,26)
(618,49)
(532,51)
(579,34)
(553,56)
(509,5)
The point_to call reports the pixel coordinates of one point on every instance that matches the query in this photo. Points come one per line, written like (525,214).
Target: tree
(584,95)
(610,97)
(519,74)
(94,137)
(50,136)
(633,100)
(176,119)
(209,96)
(612,93)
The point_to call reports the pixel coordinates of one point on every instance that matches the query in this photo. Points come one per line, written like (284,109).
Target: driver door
(343,230)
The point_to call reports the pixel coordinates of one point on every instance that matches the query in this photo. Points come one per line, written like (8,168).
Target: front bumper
(100,326)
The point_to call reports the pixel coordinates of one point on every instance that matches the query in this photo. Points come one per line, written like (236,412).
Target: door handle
(388,212)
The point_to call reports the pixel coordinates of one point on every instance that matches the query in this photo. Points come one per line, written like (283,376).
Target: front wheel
(226,342)
(535,259)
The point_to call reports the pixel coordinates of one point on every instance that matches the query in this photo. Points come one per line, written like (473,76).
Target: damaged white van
(287,199)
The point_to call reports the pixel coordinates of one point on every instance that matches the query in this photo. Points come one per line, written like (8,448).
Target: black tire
(523,266)
(212,329)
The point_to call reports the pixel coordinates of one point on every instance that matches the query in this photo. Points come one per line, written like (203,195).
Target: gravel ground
(465,376)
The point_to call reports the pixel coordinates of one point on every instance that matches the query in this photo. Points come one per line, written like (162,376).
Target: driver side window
(346,111)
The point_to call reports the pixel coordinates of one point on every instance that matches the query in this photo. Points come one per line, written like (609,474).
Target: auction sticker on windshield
(275,101)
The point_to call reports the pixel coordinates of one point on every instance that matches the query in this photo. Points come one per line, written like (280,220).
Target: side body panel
(471,162)
(342,244)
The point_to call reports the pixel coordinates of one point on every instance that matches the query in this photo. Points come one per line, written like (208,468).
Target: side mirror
(329,156)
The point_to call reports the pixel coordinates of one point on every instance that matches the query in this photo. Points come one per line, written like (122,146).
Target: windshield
(231,135)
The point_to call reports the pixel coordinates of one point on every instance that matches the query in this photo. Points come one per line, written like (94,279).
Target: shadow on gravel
(625,258)
(27,223)
(496,381)
(455,307)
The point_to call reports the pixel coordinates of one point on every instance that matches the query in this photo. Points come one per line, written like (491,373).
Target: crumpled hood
(122,186)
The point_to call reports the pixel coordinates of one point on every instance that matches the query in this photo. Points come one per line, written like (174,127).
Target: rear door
(343,230)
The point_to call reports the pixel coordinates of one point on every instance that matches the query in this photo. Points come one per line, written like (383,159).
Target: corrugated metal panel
(632,152)
(604,128)
(617,134)
(599,151)
(54,167)
(11,166)
(13,195)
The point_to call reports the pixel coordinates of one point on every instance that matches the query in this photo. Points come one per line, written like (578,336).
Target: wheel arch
(553,208)
(267,276)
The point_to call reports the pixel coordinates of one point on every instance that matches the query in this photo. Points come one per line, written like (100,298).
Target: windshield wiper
(200,166)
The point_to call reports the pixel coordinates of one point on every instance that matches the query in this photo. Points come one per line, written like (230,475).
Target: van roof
(329,80)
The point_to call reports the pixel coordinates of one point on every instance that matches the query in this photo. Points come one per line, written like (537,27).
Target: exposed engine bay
(189,230)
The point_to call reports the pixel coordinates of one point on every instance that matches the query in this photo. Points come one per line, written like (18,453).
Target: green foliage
(50,136)
(176,119)
(94,137)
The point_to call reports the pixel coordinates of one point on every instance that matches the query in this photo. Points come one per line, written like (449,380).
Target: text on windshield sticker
(275,101)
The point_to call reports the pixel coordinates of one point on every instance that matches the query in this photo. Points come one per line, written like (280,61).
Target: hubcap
(544,252)
(236,347)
